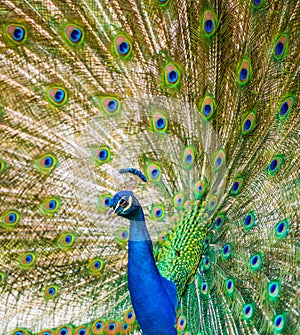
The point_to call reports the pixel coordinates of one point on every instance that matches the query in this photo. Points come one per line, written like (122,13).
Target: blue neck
(153,297)
(138,230)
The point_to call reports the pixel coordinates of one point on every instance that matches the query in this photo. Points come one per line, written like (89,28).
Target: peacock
(149,167)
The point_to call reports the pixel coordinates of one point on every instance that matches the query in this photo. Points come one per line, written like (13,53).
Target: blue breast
(153,297)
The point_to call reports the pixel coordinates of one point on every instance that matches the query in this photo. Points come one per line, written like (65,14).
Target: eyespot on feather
(46,162)
(96,266)
(64,330)
(57,96)
(159,123)
(153,172)
(280,47)
(10,219)
(157,212)
(50,205)
(178,200)
(129,316)
(207,107)
(171,75)
(188,157)
(111,327)
(16,33)
(249,123)
(51,292)
(248,311)
(244,71)
(27,260)
(275,164)
(286,106)
(104,201)
(274,290)
(66,240)
(209,23)
(111,106)
(282,229)
(74,34)
(122,236)
(219,160)
(219,221)
(101,154)
(181,322)
(256,4)
(122,46)
(256,262)
(82,330)
(98,327)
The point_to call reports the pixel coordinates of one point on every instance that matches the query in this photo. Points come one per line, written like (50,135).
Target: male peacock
(199,95)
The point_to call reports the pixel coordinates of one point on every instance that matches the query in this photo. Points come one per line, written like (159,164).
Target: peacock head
(126,205)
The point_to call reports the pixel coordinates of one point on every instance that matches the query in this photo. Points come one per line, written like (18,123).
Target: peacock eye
(124,203)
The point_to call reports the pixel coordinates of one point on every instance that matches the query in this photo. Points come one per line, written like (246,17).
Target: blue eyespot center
(124,234)
(75,35)
(273,165)
(218,161)
(204,286)
(52,204)
(18,34)
(155,173)
(160,123)
(28,258)
(123,48)
(248,220)
(68,239)
(99,325)
(247,125)
(273,288)
(112,105)
(279,48)
(189,158)
(209,26)
(207,109)
(206,261)
(229,285)
(278,321)
(173,76)
(59,96)
(158,213)
(254,260)
(181,322)
(51,291)
(129,315)
(280,227)
(48,162)
(235,186)
(97,264)
(63,331)
(243,74)
(12,217)
(82,332)
(200,188)
(107,202)
(225,249)
(284,108)
(247,310)
(218,221)
(112,326)
(103,154)
(257,2)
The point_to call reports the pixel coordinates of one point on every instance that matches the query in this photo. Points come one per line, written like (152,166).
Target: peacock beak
(111,212)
